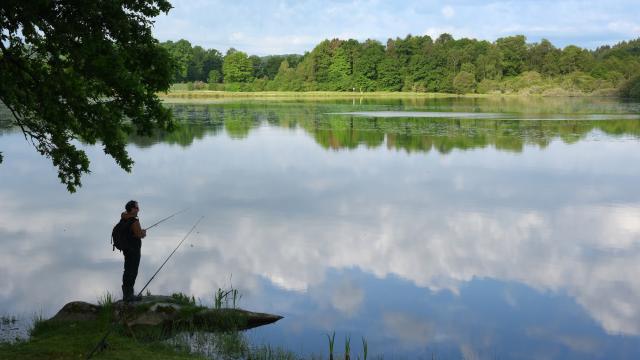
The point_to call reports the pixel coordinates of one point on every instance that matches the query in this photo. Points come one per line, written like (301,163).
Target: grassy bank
(62,338)
(284,95)
(212,94)
(74,340)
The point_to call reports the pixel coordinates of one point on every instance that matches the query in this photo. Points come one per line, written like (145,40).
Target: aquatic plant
(8,319)
(365,348)
(332,341)
(347,347)
(267,352)
(38,323)
(224,345)
(226,298)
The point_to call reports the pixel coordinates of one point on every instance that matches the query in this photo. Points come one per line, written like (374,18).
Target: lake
(457,228)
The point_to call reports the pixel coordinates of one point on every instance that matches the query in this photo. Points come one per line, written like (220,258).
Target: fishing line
(170,255)
(167,218)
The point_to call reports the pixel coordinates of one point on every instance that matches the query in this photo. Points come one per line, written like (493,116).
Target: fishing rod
(103,344)
(167,218)
(170,255)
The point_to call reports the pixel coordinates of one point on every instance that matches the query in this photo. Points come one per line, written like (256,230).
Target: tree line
(417,63)
(196,64)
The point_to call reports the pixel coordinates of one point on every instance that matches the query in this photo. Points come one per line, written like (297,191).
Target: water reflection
(439,131)
(528,253)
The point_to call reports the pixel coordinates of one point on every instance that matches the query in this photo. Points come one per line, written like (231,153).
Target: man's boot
(127,294)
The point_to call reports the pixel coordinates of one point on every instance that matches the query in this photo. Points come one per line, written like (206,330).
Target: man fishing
(132,251)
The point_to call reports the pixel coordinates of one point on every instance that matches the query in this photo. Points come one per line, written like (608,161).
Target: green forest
(417,64)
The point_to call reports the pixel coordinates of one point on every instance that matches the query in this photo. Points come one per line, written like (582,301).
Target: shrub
(259,84)
(464,83)
(488,86)
(215,86)
(631,88)
(578,80)
(179,87)
(199,85)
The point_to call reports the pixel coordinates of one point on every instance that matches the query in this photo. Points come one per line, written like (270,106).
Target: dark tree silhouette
(83,70)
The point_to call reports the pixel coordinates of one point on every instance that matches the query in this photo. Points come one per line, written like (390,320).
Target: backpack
(121,235)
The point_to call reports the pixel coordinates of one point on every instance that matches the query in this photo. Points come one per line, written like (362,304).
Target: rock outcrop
(78,311)
(167,315)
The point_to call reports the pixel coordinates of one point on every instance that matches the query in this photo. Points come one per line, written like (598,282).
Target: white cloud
(628,28)
(237,36)
(448,11)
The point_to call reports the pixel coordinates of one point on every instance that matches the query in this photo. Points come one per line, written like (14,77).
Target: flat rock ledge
(168,315)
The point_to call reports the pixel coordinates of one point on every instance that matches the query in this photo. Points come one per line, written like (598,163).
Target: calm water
(480,229)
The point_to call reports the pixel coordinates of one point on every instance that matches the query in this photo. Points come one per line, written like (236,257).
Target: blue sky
(263,27)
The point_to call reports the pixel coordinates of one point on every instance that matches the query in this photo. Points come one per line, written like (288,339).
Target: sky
(269,27)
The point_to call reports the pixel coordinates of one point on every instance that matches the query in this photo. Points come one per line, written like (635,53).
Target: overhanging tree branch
(84,71)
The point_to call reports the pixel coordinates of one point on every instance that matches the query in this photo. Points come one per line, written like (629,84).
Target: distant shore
(214,94)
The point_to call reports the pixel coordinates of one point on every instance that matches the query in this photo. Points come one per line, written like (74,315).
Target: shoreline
(157,327)
(313,95)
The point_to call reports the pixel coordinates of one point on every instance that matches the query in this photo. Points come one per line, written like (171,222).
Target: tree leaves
(85,71)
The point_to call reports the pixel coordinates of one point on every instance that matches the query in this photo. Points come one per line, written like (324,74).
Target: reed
(332,341)
(267,352)
(365,348)
(106,299)
(347,347)
(226,298)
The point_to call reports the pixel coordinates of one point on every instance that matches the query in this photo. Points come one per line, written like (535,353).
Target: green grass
(283,95)
(106,300)
(74,340)
(183,299)
(195,95)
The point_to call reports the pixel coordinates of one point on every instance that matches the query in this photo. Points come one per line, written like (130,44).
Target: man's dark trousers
(131,263)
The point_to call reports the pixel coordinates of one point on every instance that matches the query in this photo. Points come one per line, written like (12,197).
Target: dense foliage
(419,63)
(195,64)
(86,71)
